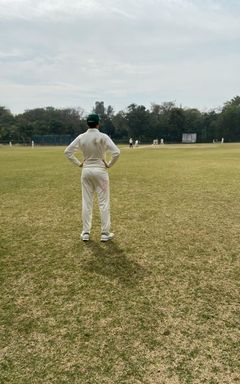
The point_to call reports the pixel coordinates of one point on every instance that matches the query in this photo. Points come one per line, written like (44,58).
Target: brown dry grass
(159,305)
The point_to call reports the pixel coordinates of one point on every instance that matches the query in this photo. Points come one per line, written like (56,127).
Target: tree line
(165,120)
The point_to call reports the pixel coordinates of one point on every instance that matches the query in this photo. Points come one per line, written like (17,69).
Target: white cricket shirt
(94,145)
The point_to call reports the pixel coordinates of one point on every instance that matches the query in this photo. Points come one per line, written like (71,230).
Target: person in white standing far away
(94,145)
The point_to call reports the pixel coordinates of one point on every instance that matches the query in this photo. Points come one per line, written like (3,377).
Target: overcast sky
(71,53)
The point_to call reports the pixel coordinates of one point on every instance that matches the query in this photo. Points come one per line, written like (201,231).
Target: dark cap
(93,118)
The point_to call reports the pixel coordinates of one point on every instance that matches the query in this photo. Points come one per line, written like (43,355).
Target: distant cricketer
(94,145)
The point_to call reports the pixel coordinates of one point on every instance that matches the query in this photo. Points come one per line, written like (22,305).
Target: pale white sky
(72,53)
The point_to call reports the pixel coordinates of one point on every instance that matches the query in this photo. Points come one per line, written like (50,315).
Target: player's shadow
(109,260)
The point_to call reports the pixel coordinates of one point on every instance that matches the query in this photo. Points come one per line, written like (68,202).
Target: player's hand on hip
(105,163)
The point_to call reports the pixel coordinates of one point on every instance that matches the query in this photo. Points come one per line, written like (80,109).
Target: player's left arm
(115,152)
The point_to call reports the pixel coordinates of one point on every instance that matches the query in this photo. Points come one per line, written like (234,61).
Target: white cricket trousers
(95,180)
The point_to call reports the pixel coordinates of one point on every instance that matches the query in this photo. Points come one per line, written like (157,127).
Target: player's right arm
(71,149)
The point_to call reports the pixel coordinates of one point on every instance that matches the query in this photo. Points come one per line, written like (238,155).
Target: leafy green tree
(177,122)
(229,123)
(7,125)
(164,120)
(108,127)
(138,120)
(234,102)
(192,120)
(110,112)
(99,108)
(121,127)
(210,126)
(50,121)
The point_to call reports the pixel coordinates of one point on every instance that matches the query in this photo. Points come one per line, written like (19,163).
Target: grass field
(158,305)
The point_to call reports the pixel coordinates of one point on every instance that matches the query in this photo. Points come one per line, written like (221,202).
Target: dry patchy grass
(158,305)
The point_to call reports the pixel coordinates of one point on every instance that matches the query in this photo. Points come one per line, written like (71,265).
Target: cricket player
(94,145)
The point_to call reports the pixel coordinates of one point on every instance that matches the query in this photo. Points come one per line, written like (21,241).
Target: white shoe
(85,236)
(107,236)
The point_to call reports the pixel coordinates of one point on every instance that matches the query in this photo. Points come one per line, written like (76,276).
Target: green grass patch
(159,304)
